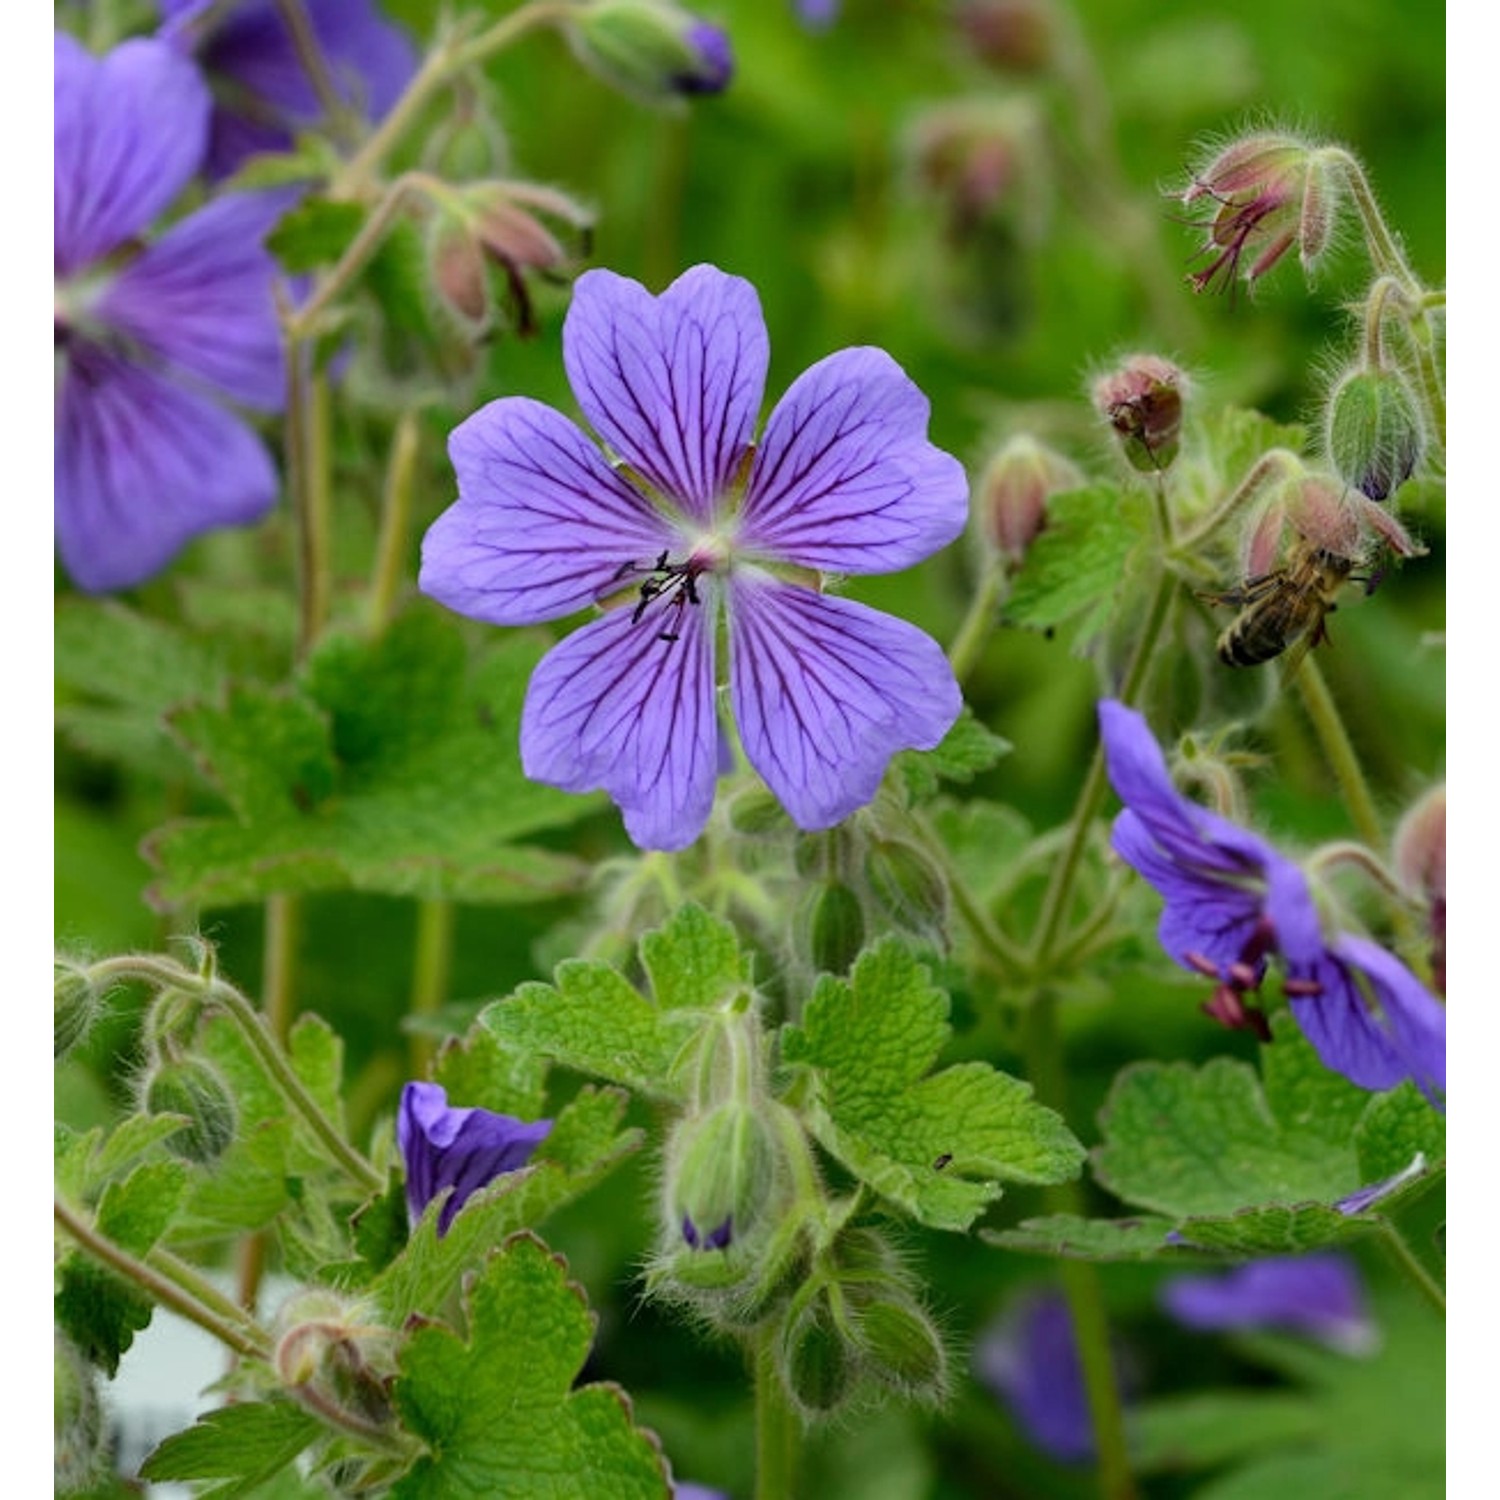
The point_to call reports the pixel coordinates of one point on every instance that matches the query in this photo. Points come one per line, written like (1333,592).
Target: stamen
(676,583)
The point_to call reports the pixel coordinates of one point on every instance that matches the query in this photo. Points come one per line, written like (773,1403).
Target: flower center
(672,584)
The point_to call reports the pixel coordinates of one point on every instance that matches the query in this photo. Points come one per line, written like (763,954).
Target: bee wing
(1251,591)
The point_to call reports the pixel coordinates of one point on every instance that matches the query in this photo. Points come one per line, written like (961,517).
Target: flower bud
(192,1088)
(651,49)
(77,1420)
(456,268)
(755,812)
(835,928)
(1142,402)
(1015,36)
(1374,433)
(908,887)
(1264,193)
(1420,852)
(975,156)
(76,1004)
(817,1364)
(1017,482)
(722,1168)
(327,1344)
(900,1348)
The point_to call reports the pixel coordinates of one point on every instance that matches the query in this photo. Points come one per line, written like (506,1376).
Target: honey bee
(1285,608)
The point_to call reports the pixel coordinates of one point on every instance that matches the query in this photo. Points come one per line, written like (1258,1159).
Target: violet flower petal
(200,299)
(141,466)
(128,132)
(1030,1361)
(825,691)
(369,61)
(616,707)
(672,383)
(1317,1295)
(542,527)
(844,478)
(458,1149)
(1373,1021)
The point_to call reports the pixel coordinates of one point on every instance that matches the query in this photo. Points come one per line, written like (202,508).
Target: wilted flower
(1317,1295)
(264,95)
(1264,193)
(1232,902)
(1029,1359)
(461,1149)
(692,524)
(145,457)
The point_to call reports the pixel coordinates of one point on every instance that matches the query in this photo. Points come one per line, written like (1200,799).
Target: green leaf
(245,1444)
(392,768)
(136,1211)
(315,233)
(1185,1141)
(478,1070)
(962,754)
(97,1310)
(1208,1428)
(499,1411)
(1234,437)
(1232,1166)
(937,1146)
(1078,1238)
(584,1146)
(593,1020)
(84,1163)
(1074,569)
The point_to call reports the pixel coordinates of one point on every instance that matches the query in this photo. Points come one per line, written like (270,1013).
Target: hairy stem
(777,1431)
(310,54)
(963,654)
(1339,751)
(244,1338)
(395,521)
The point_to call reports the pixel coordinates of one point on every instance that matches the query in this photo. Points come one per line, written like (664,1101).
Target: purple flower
(817,15)
(695,523)
(1232,902)
(263,94)
(1317,1295)
(149,335)
(1029,1359)
(462,1149)
(685,1489)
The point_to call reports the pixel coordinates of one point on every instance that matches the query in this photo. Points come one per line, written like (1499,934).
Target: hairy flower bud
(192,1088)
(76,1004)
(1420,852)
(1011,505)
(908,888)
(1374,432)
(1263,194)
(835,928)
(818,1366)
(456,268)
(651,49)
(1142,402)
(721,1172)
(1015,36)
(900,1347)
(326,1342)
(77,1420)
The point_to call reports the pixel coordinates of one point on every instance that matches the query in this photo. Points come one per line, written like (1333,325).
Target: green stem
(306,454)
(442,64)
(777,1431)
(1385,253)
(1270,466)
(963,654)
(1003,955)
(1416,1272)
(243,1338)
(279,963)
(186,1277)
(432,966)
(310,55)
(1081,1285)
(1091,796)
(291,1087)
(395,521)
(1339,750)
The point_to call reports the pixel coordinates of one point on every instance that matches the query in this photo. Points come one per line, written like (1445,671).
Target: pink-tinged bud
(1142,402)
(506,223)
(1420,853)
(1262,195)
(1011,507)
(975,156)
(1014,36)
(1374,433)
(456,267)
(1321,511)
